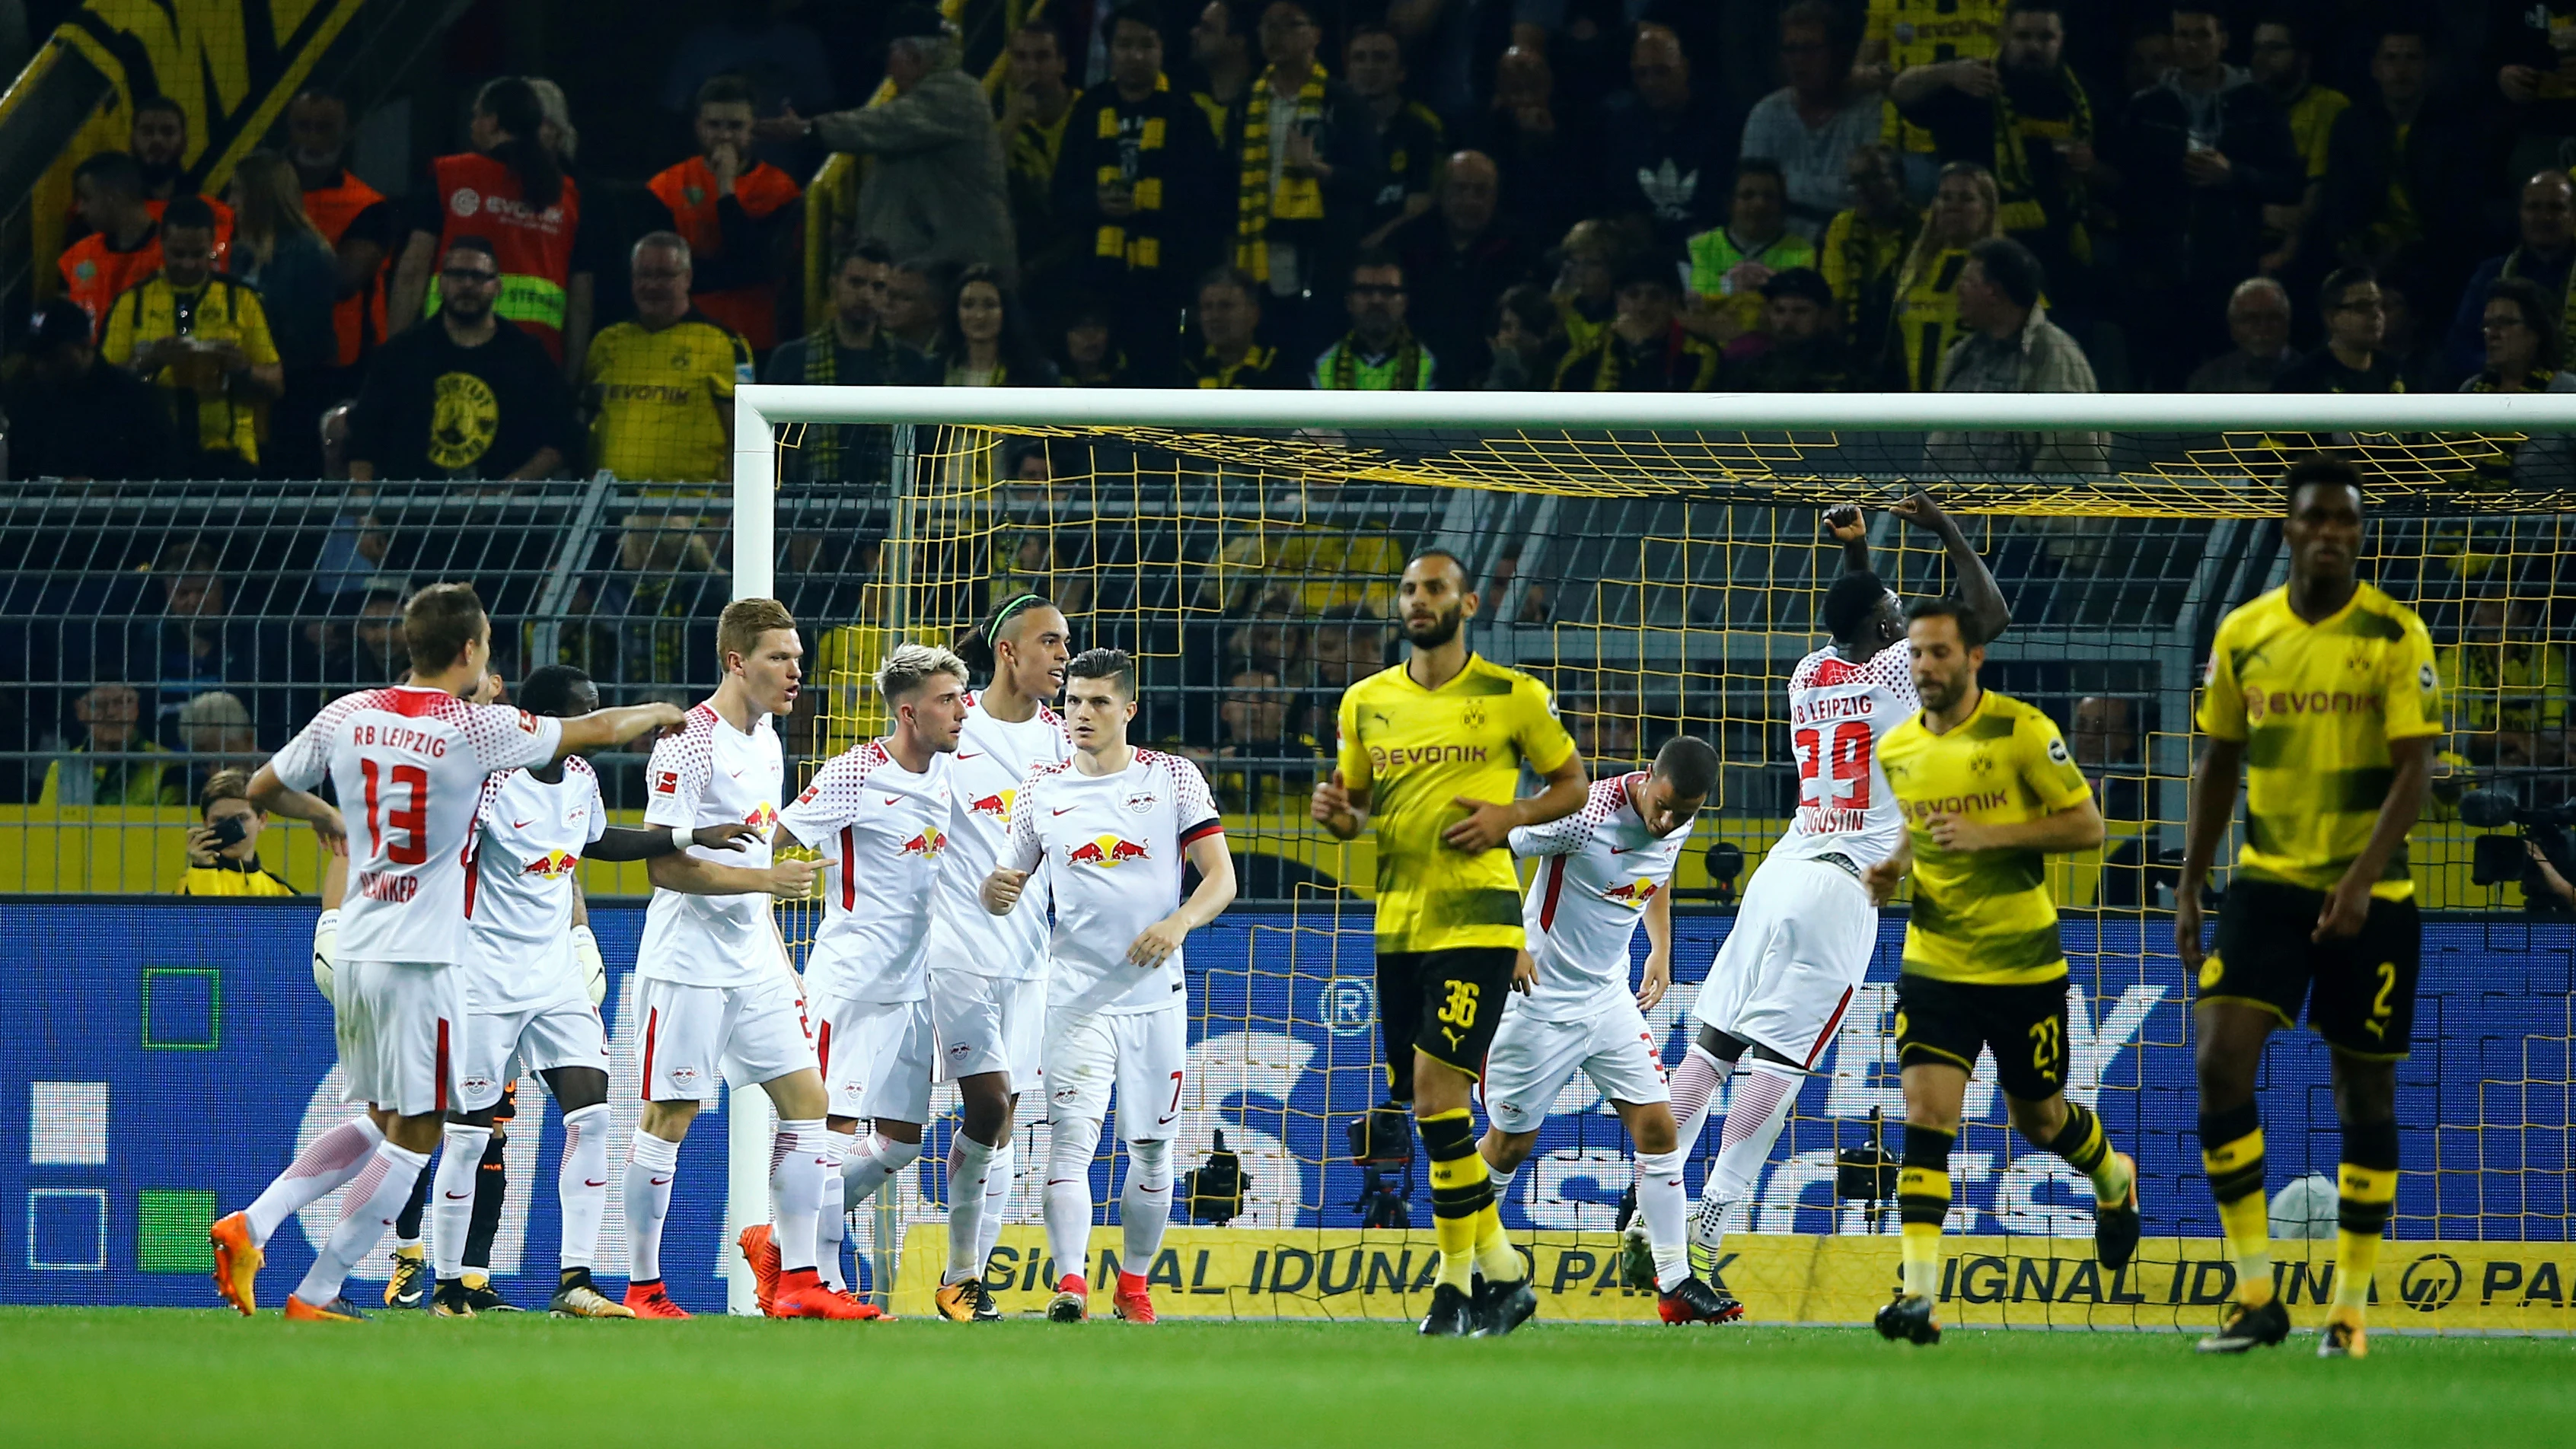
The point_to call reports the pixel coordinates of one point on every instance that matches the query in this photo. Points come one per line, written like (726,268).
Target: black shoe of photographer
(1452,1315)
(1503,1307)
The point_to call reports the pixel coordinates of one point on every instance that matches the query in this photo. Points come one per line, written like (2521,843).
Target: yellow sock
(2366,1195)
(1496,1258)
(1460,1190)
(2231,1152)
(1922,1203)
(2248,1221)
(1921,1245)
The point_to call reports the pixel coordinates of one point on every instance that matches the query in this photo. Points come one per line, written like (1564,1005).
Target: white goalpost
(1588,444)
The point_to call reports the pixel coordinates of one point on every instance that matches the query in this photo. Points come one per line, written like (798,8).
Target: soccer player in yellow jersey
(2324,690)
(1988,791)
(1431,752)
(660,388)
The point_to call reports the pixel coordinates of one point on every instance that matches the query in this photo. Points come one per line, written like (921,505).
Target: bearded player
(716,994)
(1112,827)
(880,813)
(416,755)
(1603,871)
(988,990)
(1805,931)
(1431,751)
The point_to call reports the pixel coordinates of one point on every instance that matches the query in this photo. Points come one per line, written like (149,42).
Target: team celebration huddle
(1010,885)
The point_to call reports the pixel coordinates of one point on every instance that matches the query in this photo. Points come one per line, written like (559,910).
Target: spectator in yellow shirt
(659,388)
(204,340)
(223,849)
(107,713)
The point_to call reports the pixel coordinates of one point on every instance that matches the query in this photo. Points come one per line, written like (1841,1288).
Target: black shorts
(1946,1023)
(2360,992)
(1447,1003)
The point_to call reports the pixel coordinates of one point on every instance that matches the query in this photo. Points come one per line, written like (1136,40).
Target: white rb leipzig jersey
(1111,845)
(1599,868)
(408,765)
(993,757)
(884,831)
(528,842)
(1839,712)
(713,774)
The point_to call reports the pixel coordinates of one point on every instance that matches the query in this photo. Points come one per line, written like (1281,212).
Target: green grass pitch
(148,1377)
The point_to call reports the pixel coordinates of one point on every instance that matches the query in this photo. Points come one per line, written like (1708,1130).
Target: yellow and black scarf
(2022,209)
(1299,198)
(1343,374)
(1112,241)
(1212,373)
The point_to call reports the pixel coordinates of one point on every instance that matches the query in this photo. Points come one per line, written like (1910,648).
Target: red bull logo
(1106,851)
(996,806)
(1634,895)
(553,865)
(927,844)
(763,815)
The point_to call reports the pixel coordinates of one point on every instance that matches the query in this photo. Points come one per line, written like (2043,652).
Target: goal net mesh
(1667,582)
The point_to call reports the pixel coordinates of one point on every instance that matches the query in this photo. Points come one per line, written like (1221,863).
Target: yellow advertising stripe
(2175,1284)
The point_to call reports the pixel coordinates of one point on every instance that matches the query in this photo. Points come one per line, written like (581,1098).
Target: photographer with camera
(2530,847)
(223,850)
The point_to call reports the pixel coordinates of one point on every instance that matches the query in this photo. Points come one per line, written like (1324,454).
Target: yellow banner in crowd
(2176,1283)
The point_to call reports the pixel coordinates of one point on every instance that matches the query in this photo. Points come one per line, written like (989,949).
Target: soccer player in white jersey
(1603,871)
(411,761)
(715,993)
(534,979)
(1111,827)
(880,815)
(987,974)
(1806,927)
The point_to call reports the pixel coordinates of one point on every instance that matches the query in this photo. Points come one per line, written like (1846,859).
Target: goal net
(1657,561)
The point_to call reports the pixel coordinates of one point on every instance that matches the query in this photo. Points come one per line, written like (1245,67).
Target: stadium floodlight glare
(1656,555)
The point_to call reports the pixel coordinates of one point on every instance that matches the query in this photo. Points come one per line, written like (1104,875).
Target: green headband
(1002,615)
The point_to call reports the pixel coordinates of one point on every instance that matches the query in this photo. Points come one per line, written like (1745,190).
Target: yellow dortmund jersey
(232,878)
(2315,706)
(1926,32)
(661,400)
(1927,319)
(1422,749)
(2312,118)
(1982,916)
(196,385)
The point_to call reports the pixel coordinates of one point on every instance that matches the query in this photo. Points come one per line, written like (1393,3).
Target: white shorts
(1145,1055)
(989,1024)
(876,1058)
(751,1034)
(1531,1061)
(564,1033)
(1801,943)
(402,1030)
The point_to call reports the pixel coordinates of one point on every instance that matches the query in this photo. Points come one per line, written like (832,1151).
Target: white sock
(376,1197)
(651,1163)
(1501,1178)
(1071,1141)
(451,1196)
(335,1157)
(581,1184)
(1663,1204)
(831,1219)
(796,1160)
(969,1163)
(877,1158)
(999,1180)
(1145,1207)
(1694,1084)
(1760,1108)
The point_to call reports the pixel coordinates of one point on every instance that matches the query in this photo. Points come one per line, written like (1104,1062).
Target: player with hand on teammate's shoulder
(1431,752)
(2322,907)
(1111,827)
(1988,791)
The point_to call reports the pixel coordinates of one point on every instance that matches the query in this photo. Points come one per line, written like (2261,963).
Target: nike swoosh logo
(657,1182)
(737,774)
(970,754)
(894,799)
(1625,849)
(458,1196)
(521,824)
(1068,809)
(594,1182)
(1165,1122)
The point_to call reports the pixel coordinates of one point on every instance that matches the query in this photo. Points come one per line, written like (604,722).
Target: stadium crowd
(1609,195)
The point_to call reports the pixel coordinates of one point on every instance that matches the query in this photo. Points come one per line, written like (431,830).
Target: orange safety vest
(480,197)
(689,190)
(358,320)
(96,274)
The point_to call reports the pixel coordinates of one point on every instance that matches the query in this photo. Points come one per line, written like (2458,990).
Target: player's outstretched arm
(602,728)
(1976,582)
(2077,827)
(1215,893)
(268,792)
(1845,524)
(690,876)
(1489,823)
(2213,808)
(630,842)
